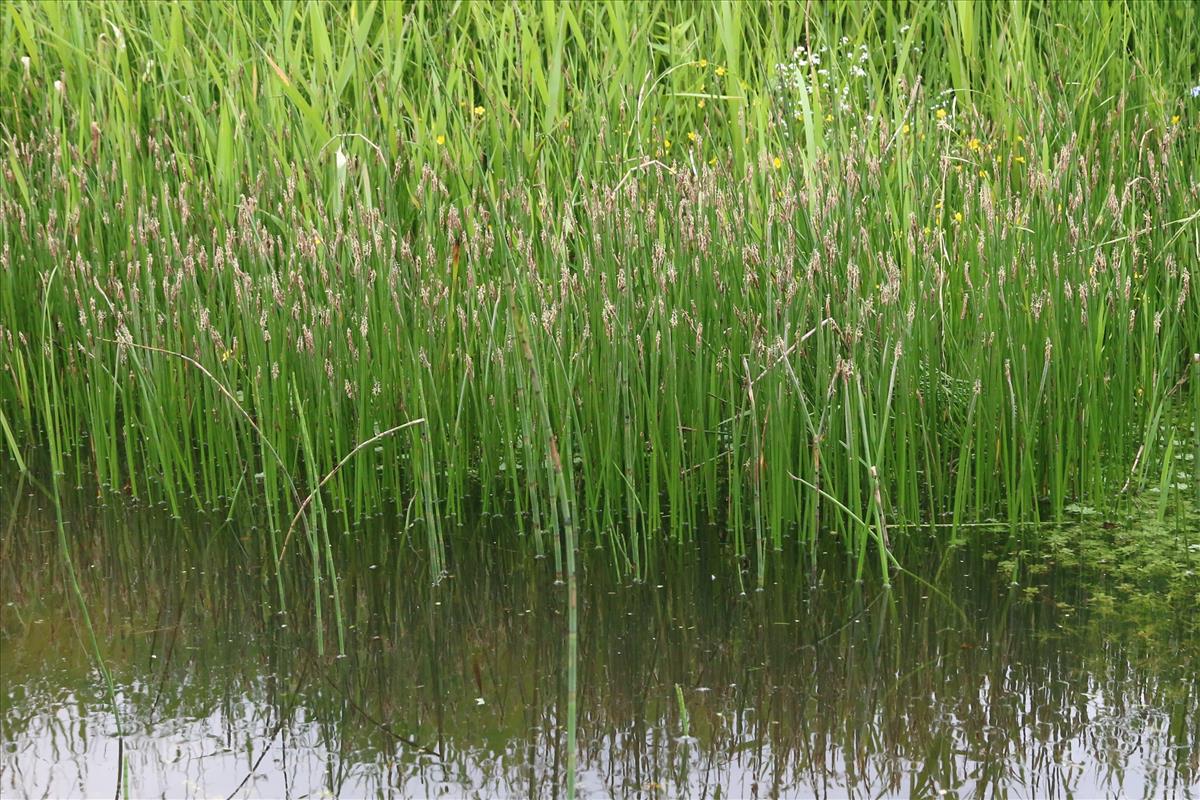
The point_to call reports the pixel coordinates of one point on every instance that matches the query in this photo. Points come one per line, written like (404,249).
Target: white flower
(1196,91)
(341,159)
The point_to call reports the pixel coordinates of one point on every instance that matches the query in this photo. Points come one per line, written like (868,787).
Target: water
(692,683)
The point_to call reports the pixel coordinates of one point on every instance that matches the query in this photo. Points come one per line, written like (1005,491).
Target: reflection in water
(812,686)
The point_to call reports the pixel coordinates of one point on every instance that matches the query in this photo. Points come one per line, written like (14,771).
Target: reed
(838,271)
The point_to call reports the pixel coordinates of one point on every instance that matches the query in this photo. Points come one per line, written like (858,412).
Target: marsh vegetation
(887,284)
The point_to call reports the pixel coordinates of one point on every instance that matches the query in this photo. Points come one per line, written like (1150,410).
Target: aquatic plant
(648,267)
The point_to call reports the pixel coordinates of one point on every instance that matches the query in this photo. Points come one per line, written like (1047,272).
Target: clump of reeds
(947,290)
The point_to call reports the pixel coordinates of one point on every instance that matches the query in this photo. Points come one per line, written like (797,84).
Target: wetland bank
(723,399)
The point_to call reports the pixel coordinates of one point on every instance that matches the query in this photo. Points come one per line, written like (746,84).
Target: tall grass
(942,276)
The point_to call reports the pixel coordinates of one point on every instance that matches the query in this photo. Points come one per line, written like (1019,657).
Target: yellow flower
(1020,138)
(704,63)
(829,117)
(712,162)
(1175,120)
(700,103)
(938,207)
(778,162)
(973,144)
(941,113)
(1019,159)
(983,173)
(666,144)
(958,216)
(479,111)
(440,139)
(906,128)
(720,72)
(692,136)
(928,230)
(225,356)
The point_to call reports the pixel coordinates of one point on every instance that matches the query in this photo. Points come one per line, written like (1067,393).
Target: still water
(1077,681)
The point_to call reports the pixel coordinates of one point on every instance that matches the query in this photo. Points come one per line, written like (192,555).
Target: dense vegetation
(817,270)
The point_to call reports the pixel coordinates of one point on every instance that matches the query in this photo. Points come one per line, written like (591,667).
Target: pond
(1004,670)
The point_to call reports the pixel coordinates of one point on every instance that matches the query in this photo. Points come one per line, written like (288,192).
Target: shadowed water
(692,683)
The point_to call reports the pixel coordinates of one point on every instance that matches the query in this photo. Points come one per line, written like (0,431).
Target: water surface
(1075,682)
